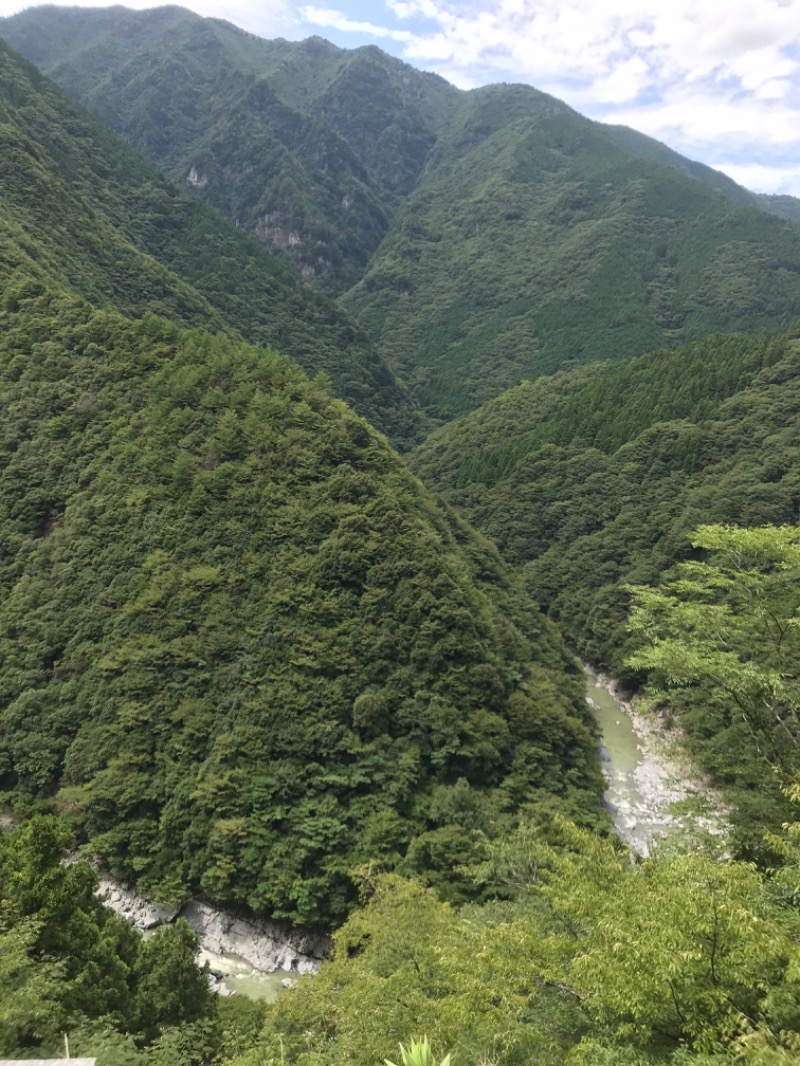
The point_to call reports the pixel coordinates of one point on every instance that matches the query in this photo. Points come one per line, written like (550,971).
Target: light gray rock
(267,946)
(141,913)
(264,945)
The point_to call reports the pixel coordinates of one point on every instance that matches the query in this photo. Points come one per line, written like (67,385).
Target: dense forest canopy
(238,637)
(308,146)
(245,653)
(593,480)
(480,237)
(106,224)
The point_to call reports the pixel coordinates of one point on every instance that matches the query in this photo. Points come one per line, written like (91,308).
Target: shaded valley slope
(95,215)
(480,237)
(243,649)
(592,480)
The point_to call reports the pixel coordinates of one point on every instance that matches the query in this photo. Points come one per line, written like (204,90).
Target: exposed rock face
(267,946)
(141,913)
(196,180)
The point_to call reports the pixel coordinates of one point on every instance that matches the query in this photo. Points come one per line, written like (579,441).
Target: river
(254,957)
(653,790)
(237,975)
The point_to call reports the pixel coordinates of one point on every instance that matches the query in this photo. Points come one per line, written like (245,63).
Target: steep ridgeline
(593,479)
(242,647)
(537,243)
(308,146)
(93,215)
(638,144)
(488,236)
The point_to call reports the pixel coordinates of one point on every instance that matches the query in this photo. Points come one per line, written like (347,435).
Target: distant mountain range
(480,237)
(243,649)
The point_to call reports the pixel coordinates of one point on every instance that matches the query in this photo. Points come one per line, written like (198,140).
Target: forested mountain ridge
(242,647)
(105,223)
(547,246)
(304,144)
(488,236)
(594,479)
(245,652)
(240,642)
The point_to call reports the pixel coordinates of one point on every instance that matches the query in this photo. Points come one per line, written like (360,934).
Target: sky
(718,80)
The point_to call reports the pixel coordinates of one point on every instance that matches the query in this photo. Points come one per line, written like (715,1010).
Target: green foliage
(592,481)
(592,959)
(241,644)
(419,1053)
(724,633)
(479,237)
(28,992)
(719,642)
(69,964)
(171,989)
(79,207)
(307,146)
(536,243)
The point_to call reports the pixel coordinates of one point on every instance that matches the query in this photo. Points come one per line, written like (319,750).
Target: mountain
(592,481)
(307,146)
(638,144)
(243,649)
(536,243)
(592,478)
(783,206)
(106,224)
(480,237)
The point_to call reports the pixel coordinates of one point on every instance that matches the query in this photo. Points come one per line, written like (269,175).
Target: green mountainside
(309,147)
(644,147)
(787,207)
(537,243)
(638,144)
(245,653)
(242,648)
(592,480)
(103,222)
(485,237)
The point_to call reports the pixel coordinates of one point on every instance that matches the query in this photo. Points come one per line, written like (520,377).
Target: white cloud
(696,73)
(777,179)
(335,20)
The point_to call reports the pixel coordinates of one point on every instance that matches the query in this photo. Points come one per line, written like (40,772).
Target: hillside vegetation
(239,640)
(242,648)
(536,243)
(592,480)
(306,145)
(246,654)
(106,224)
(480,237)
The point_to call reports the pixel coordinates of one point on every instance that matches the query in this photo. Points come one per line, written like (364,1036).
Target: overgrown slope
(239,640)
(306,145)
(107,224)
(593,480)
(489,236)
(242,648)
(537,243)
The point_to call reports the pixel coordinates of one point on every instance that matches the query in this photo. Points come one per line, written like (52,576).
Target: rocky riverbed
(253,956)
(654,791)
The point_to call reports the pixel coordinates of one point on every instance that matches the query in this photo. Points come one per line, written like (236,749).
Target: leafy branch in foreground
(419,1053)
(726,630)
